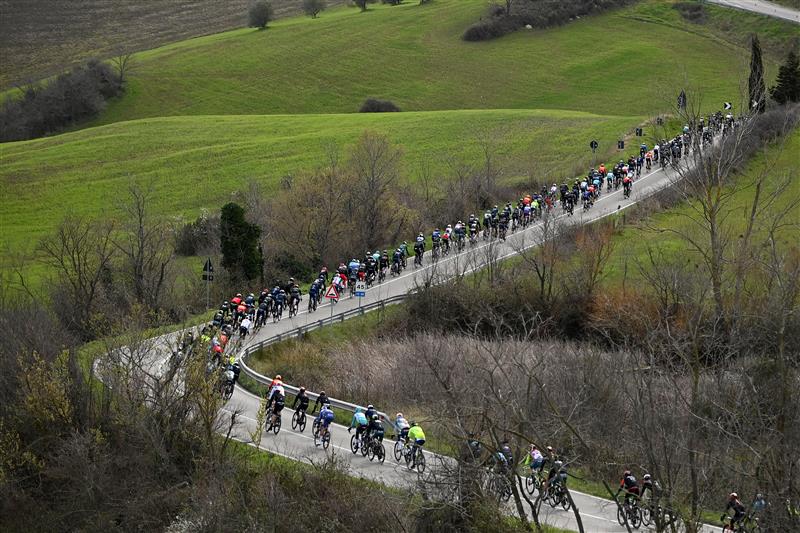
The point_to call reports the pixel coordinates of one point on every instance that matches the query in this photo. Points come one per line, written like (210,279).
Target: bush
(69,99)
(373,105)
(537,14)
(312,8)
(198,237)
(692,12)
(260,15)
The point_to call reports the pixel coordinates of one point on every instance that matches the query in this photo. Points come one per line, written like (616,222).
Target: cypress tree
(787,88)
(239,243)
(756,83)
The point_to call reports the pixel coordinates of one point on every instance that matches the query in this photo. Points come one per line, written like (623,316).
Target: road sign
(593,145)
(639,132)
(208,277)
(361,288)
(332,293)
(208,267)
(620,144)
(727,105)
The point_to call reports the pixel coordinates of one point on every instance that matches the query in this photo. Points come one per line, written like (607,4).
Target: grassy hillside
(624,62)
(634,241)
(42,37)
(197,162)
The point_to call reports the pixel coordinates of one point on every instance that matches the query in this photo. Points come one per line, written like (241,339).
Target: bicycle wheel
(647,515)
(564,500)
(302,423)
(326,440)
(353,444)
(553,500)
(530,485)
(620,516)
(276,427)
(380,453)
(295,420)
(371,452)
(636,517)
(420,461)
(365,445)
(398,450)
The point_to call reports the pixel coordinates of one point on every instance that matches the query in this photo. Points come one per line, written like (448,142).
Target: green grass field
(254,106)
(625,62)
(198,162)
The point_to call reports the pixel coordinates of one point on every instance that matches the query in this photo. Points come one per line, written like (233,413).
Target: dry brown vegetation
(42,38)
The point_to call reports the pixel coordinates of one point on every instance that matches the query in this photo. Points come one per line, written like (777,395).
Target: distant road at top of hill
(44,37)
(765,8)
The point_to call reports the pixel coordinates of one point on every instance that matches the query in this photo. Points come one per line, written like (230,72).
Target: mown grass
(628,61)
(197,163)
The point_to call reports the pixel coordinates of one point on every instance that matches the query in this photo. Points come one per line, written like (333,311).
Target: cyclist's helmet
(374,417)
(413,423)
(399,415)
(238,294)
(646,477)
(558,464)
(421,235)
(370,406)
(302,389)
(733,496)
(627,473)
(278,377)
(251,295)
(404,242)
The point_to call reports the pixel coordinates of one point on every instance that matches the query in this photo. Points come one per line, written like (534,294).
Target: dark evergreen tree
(241,255)
(787,88)
(756,83)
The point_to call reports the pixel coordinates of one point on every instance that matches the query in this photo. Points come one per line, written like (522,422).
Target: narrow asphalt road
(765,8)
(598,515)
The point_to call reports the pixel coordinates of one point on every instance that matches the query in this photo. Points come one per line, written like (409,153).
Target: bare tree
(147,248)
(81,253)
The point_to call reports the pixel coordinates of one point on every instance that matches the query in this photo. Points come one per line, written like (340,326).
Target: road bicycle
(323,441)
(749,524)
(498,484)
(299,420)
(277,312)
(293,306)
(401,448)
(629,511)
(312,303)
(275,426)
(415,459)
(533,483)
(357,443)
(375,450)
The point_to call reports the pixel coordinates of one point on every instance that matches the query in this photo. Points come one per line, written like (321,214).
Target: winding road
(598,515)
(765,8)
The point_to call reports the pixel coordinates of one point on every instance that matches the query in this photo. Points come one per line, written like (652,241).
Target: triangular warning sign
(332,293)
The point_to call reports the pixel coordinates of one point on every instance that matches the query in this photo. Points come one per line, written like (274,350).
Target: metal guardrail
(302,330)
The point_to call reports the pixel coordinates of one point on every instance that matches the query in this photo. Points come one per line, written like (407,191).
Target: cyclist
(359,422)
(401,426)
(233,366)
(739,511)
(313,293)
(279,401)
(417,438)
(383,264)
(446,237)
(534,459)
(294,295)
(630,485)
(436,239)
(404,252)
(648,485)
(397,261)
(244,327)
(325,418)
(274,393)
(322,400)
(554,476)
(504,457)
(375,429)
(419,248)
(279,301)
(759,503)
(473,449)
(300,401)
(371,411)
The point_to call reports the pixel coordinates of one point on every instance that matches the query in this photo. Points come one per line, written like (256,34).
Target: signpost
(208,277)
(361,290)
(727,106)
(332,294)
